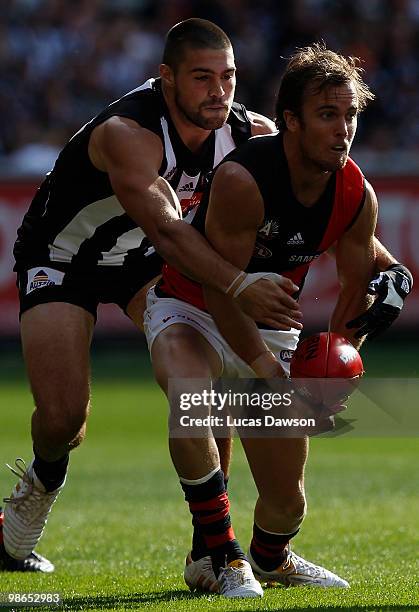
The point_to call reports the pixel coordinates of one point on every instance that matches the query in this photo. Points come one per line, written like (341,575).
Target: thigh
(182,352)
(277,464)
(56,340)
(137,304)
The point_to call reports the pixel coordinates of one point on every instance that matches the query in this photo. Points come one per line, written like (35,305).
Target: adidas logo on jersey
(187,187)
(297,239)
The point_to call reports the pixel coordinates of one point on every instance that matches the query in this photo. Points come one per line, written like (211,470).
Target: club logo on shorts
(286,355)
(43,277)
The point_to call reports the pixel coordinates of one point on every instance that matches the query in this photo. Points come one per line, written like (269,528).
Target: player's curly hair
(193,33)
(320,67)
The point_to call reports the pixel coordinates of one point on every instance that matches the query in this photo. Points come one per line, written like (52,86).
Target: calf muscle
(56,340)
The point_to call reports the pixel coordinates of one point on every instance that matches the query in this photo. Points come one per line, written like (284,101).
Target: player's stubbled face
(205,81)
(328,125)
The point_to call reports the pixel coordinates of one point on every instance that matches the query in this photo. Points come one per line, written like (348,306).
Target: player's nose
(342,127)
(216,89)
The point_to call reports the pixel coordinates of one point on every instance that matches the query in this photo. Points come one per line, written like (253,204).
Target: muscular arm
(355,262)
(383,257)
(390,286)
(132,157)
(234,214)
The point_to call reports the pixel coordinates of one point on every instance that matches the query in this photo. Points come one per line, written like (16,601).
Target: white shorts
(164,312)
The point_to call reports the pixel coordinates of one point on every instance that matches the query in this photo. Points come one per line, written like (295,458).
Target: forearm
(189,252)
(242,334)
(181,245)
(351,302)
(383,258)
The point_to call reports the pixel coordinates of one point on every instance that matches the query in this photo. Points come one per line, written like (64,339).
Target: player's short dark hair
(192,33)
(319,67)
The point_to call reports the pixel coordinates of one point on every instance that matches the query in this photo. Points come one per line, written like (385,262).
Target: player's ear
(291,120)
(167,75)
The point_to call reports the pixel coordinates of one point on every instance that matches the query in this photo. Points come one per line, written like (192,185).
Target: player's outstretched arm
(355,263)
(234,214)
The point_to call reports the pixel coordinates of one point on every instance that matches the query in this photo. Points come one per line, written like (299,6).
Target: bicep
(132,156)
(235,211)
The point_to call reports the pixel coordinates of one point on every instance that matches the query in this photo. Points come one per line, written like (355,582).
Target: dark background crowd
(61,61)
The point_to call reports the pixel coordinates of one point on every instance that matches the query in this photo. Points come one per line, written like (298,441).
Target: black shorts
(57,282)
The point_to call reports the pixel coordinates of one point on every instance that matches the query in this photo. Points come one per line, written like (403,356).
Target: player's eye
(204,77)
(327,114)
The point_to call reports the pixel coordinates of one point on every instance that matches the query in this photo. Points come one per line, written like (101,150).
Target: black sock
(269,550)
(209,506)
(51,473)
(199,548)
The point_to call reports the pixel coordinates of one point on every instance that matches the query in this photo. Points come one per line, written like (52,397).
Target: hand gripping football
(326,356)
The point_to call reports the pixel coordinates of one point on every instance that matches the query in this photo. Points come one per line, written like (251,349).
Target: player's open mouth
(339,149)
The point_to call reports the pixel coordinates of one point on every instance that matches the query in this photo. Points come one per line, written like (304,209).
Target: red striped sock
(269,550)
(210,508)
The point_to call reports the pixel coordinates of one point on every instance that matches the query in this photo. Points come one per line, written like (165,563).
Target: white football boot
(26,511)
(237,580)
(199,575)
(296,571)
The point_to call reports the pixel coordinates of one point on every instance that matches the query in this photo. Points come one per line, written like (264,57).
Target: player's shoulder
(253,161)
(256,123)
(261,125)
(258,148)
(143,105)
(351,171)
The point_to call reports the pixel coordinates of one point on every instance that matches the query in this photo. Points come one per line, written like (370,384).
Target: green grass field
(120,531)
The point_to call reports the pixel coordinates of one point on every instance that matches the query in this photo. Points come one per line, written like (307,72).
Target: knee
(61,423)
(180,352)
(292,507)
(78,438)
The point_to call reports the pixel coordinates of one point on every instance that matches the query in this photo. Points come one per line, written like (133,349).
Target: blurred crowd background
(61,61)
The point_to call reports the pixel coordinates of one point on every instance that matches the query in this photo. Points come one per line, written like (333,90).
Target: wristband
(232,286)
(398,267)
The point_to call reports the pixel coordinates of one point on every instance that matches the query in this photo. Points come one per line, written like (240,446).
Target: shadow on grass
(136,600)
